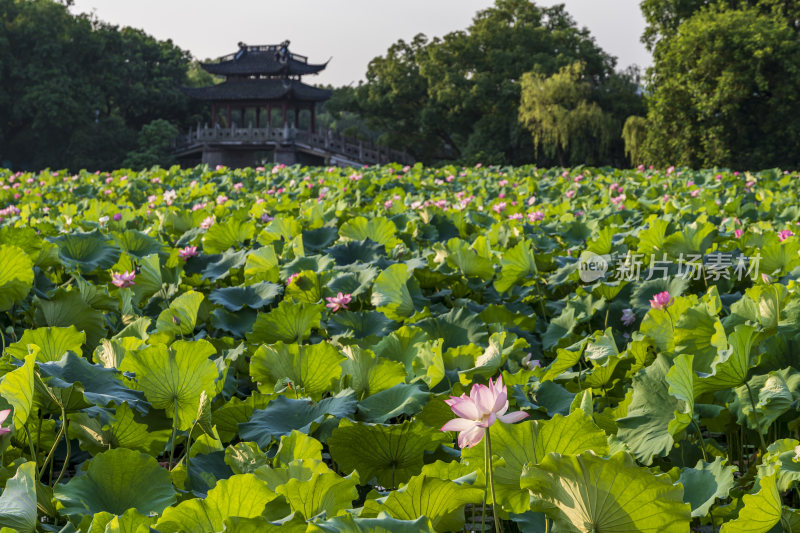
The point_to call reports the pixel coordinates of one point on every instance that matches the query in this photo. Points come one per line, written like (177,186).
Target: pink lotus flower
(628,317)
(3,415)
(338,302)
(570,193)
(661,300)
(207,222)
(186,253)
(535,216)
(738,233)
(124,279)
(498,207)
(117,217)
(476,412)
(785,234)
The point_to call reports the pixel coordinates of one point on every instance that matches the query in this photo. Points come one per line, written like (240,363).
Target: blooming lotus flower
(186,253)
(785,234)
(339,301)
(529,363)
(628,317)
(738,233)
(3,415)
(661,300)
(124,279)
(570,193)
(476,412)
(117,217)
(207,222)
(536,215)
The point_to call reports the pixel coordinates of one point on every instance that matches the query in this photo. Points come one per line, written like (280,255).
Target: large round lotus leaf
(16,275)
(54,342)
(379,229)
(314,369)
(317,239)
(350,252)
(18,501)
(67,308)
(242,495)
(254,296)
(87,251)
(175,378)
(118,480)
(288,322)
(138,244)
(402,399)
(612,495)
(230,233)
(391,453)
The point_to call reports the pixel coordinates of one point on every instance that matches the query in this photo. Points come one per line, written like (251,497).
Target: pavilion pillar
(229,116)
(313,119)
(213,114)
(283,112)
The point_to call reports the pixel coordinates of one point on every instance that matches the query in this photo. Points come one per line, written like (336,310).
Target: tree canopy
(76,92)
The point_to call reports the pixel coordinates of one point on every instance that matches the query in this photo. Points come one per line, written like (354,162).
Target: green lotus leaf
(761,304)
(730,368)
(500,314)
(236,411)
(439,500)
(390,453)
(25,238)
(360,324)
(16,275)
(467,260)
(288,322)
(86,251)
(313,368)
(390,292)
(319,238)
(131,521)
(226,262)
(115,481)
(67,308)
(296,446)
(354,283)
(383,524)
(148,280)
(18,500)
(613,495)
(377,229)
(368,374)
(761,510)
(701,334)
(324,493)
(565,360)
(282,226)
(307,288)
(652,236)
(241,495)
(366,251)
(681,380)
(245,457)
(139,244)
(205,470)
(100,385)
(180,318)
(282,415)
(695,238)
(253,296)
(230,233)
(53,342)
(516,265)
(402,399)
(501,345)
(704,483)
(261,265)
(780,460)
(528,442)
(17,388)
(779,258)
(238,323)
(659,324)
(421,357)
(119,431)
(175,378)
(646,428)
(774,394)
(560,329)
(301,470)
(294,523)
(457,327)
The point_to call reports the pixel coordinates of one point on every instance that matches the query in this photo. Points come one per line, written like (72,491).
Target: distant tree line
(522,84)
(78,93)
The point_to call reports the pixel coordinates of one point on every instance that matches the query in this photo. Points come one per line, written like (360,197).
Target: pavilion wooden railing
(327,141)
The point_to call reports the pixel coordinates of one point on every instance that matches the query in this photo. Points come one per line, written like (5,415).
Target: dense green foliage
(215,350)
(724,83)
(76,92)
(458,97)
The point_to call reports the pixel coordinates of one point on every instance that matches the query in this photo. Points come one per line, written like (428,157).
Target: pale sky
(351,32)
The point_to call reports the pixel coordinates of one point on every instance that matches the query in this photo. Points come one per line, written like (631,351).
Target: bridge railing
(327,141)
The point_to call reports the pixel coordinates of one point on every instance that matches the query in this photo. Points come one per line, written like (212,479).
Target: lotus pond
(210,350)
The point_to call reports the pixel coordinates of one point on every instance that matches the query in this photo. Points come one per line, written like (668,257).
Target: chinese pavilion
(258,81)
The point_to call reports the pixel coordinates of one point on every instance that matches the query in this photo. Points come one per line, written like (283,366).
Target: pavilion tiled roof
(266,60)
(259,89)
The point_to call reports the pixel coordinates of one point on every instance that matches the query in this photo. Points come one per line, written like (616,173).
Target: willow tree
(564,121)
(634,133)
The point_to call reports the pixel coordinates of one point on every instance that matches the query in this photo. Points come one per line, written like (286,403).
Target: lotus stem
(174,434)
(33,452)
(702,442)
(497,526)
(485,492)
(69,451)
(755,415)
